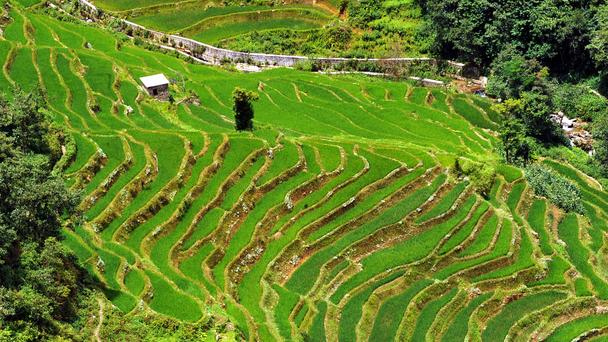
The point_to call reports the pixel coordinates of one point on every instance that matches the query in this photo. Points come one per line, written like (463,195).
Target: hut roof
(154,80)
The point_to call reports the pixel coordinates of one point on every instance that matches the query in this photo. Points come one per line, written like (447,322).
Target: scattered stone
(601,309)
(101,265)
(575,130)
(128,110)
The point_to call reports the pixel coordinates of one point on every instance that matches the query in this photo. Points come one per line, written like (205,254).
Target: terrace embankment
(336,218)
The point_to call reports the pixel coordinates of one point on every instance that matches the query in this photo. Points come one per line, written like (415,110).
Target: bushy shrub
(514,147)
(512,74)
(481,175)
(305,65)
(579,101)
(600,135)
(557,189)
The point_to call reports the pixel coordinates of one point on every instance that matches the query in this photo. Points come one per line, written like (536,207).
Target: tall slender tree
(243,108)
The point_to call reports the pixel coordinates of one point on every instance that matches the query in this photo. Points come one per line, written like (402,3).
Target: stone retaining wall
(216,55)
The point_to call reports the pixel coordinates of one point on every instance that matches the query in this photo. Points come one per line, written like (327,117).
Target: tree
(482,175)
(337,37)
(40,279)
(512,74)
(598,46)
(515,146)
(536,117)
(23,123)
(243,108)
(556,33)
(32,200)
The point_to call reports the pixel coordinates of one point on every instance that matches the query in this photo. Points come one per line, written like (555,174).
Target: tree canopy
(556,33)
(243,108)
(40,279)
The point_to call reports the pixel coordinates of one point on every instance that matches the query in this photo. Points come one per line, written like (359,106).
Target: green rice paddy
(211,22)
(336,219)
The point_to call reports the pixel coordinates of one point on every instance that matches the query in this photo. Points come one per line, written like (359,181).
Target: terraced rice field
(336,219)
(211,22)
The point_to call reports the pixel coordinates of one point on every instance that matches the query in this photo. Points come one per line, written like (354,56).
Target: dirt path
(323,4)
(98,327)
(326,6)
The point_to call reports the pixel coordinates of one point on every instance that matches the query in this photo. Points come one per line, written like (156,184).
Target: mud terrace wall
(215,55)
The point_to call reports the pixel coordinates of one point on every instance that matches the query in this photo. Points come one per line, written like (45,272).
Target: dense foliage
(600,135)
(599,38)
(153,327)
(515,145)
(328,41)
(555,33)
(243,109)
(370,29)
(349,174)
(40,280)
(577,100)
(556,188)
(482,175)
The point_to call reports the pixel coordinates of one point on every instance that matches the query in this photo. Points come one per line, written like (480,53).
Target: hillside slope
(336,219)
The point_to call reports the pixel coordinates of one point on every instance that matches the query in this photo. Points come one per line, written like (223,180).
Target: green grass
(500,249)
(402,253)
(119,5)
(287,301)
(471,114)
(524,260)
(457,331)
(82,252)
(510,173)
(445,203)
(317,330)
(499,325)
(318,253)
(439,101)
(568,231)
(598,228)
(483,239)
(301,314)
(28,3)
(85,150)
(115,153)
(460,236)
(555,274)
(537,220)
(282,160)
(170,302)
(429,314)
(303,278)
(213,29)
(392,310)
(515,196)
(486,106)
(581,287)
(134,281)
(418,95)
(23,71)
(139,162)
(168,20)
(15,30)
(351,313)
(573,329)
